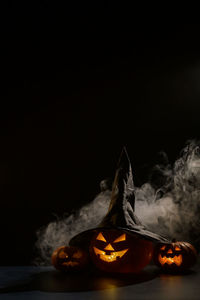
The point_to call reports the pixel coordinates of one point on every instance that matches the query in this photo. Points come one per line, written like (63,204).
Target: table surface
(46,283)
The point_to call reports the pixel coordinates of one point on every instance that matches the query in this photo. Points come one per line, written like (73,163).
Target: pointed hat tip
(124,158)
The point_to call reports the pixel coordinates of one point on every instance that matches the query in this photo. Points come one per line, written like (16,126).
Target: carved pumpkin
(175,257)
(120,243)
(69,258)
(117,251)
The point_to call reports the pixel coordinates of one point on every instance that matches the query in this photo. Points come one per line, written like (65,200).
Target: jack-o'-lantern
(119,252)
(69,259)
(175,257)
(120,243)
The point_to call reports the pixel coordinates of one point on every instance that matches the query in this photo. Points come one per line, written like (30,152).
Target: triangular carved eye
(170,251)
(163,247)
(177,248)
(100,237)
(120,238)
(63,255)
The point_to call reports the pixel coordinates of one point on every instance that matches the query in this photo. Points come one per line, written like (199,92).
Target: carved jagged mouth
(111,257)
(70,263)
(177,259)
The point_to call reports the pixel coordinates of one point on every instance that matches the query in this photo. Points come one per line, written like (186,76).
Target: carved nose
(170,251)
(109,247)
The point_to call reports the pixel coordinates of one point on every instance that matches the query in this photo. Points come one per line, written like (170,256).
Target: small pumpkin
(175,256)
(117,251)
(67,258)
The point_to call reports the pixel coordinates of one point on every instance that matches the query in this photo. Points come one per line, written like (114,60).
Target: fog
(168,204)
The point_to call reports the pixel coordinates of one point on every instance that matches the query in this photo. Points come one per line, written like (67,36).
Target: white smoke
(59,232)
(172,209)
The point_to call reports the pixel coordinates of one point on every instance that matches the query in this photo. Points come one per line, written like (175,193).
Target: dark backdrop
(77,84)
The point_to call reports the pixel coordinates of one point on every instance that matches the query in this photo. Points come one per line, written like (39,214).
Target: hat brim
(83,238)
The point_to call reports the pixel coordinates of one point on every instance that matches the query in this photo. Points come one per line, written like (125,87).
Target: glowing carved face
(109,254)
(117,251)
(69,258)
(170,255)
(175,257)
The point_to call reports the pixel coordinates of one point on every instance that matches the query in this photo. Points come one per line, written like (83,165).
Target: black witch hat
(121,213)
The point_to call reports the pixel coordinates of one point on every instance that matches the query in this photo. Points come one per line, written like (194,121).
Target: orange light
(171,260)
(63,255)
(177,248)
(163,247)
(109,258)
(109,247)
(120,238)
(100,237)
(169,251)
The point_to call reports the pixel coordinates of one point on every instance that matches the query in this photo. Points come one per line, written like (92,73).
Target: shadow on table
(55,281)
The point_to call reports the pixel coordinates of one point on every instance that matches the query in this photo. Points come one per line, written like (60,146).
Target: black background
(78,83)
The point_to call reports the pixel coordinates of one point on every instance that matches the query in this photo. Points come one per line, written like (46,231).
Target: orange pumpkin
(175,257)
(117,251)
(69,259)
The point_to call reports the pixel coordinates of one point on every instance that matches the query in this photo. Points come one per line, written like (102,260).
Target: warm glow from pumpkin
(77,254)
(111,257)
(177,259)
(66,258)
(130,254)
(120,238)
(100,237)
(109,247)
(163,247)
(63,255)
(169,251)
(177,248)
